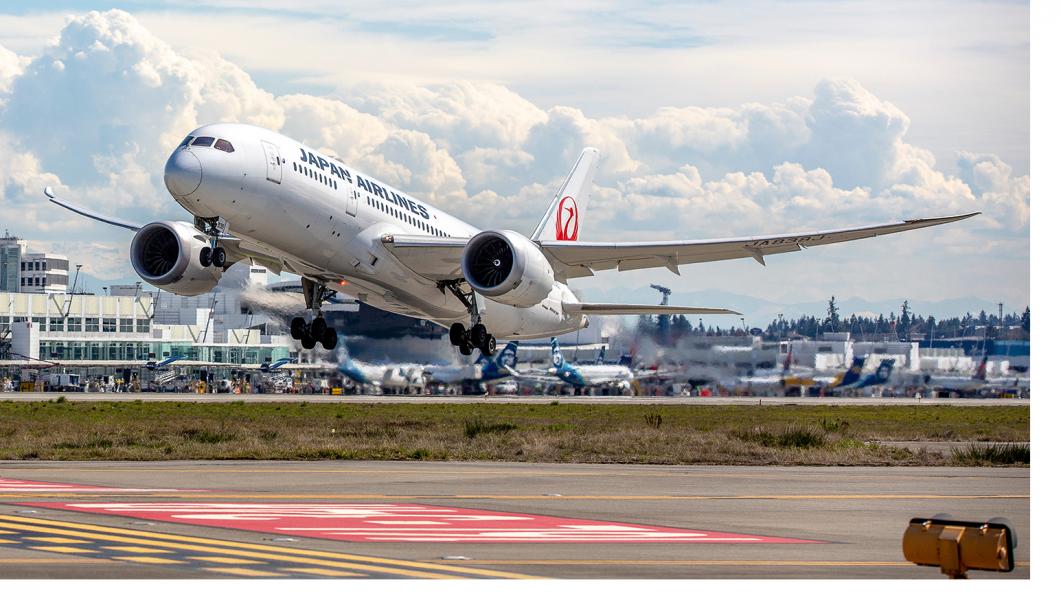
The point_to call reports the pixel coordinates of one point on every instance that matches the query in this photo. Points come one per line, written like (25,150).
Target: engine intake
(507,267)
(166,255)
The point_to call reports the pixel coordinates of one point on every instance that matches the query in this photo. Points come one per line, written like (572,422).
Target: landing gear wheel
(204,256)
(318,327)
(490,346)
(218,257)
(308,342)
(457,334)
(330,339)
(477,336)
(298,328)
(466,349)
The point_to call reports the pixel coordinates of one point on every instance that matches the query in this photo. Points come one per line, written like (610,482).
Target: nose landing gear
(316,330)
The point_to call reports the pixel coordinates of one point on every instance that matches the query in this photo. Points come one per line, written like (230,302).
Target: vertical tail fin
(855,372)
(884,370)
(567,210)
(600,356)
(981,370)
(507,357)
(788,362)
(558,358)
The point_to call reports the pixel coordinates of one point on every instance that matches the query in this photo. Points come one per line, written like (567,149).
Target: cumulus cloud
(100,109)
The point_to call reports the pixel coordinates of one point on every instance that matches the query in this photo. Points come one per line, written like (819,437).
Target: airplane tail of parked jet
(981,369)
(853,374)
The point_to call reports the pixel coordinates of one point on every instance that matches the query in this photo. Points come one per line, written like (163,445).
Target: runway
(492,399)
(482,520)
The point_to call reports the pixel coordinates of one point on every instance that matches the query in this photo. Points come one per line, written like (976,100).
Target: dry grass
(619,433)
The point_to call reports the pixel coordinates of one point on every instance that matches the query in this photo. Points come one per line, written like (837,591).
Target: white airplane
(979,381)
(260,196)
(579,376)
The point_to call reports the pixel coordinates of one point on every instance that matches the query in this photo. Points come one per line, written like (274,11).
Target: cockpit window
(224,145)
(185,142)
(203,141)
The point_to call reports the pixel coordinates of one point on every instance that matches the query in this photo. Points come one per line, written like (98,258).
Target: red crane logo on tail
(567,220)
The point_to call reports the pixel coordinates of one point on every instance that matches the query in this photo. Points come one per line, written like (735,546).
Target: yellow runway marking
(150,560)
(64,549)
(137,549)
(228,560)
(247,550)
(240,571)
(324,572)
(8,542)
(52,561)
(706,563)
(2,531)
(55,540)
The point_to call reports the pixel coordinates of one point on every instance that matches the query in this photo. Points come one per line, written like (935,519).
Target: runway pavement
(482,520)
(401,399)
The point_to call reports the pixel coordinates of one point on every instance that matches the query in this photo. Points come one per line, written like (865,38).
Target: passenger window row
(328,181)
(390,210)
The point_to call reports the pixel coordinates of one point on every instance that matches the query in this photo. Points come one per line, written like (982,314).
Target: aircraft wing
(440,258)
(596,308)
(236,248)
(434,258)
(580,259)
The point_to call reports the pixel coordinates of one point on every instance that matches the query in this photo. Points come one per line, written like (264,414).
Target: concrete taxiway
(483,520)
(404,399)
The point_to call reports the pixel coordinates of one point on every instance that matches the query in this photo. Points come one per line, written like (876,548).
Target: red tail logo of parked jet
(567,220)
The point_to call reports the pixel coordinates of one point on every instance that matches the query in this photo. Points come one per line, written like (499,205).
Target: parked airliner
(263,197)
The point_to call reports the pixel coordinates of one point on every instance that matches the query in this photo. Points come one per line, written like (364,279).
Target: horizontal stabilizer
(597,308)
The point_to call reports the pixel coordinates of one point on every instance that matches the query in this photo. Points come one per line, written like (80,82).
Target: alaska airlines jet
(273,367)
(153,365)
(489,370)
(588,375)
(259,196)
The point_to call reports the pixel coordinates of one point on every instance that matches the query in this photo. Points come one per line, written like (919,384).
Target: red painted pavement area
(396,522)
(48,487)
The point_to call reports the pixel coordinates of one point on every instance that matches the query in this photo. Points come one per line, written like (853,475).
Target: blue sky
(715,119)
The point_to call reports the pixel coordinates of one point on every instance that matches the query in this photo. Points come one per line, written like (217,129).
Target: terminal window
(126,325)
(110,325)
(92,324)
(73,324)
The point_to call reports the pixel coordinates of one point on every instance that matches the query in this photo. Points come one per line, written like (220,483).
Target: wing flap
(578,259)
(434,258)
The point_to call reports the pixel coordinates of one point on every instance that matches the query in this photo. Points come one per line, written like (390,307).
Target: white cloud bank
(100,108)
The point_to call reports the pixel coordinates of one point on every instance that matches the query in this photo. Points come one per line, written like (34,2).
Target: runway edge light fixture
(959,546)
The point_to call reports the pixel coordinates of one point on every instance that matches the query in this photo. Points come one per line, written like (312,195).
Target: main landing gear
(477,336)
(316,330)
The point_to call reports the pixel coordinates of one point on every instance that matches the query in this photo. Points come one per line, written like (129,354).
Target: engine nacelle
(166,255)
(507,267)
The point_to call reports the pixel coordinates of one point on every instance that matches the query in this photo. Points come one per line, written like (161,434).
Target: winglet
(88,212)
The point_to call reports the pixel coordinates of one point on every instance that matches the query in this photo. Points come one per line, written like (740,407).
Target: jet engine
(166,255)
(507,267)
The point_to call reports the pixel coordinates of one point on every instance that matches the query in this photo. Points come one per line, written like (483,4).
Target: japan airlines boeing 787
(259,196)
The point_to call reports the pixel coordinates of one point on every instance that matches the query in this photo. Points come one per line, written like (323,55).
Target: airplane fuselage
(323,219)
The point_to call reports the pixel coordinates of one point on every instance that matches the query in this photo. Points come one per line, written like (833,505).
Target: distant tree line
(906,325)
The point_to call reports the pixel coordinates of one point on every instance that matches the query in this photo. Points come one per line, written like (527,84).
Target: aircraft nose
(183,173)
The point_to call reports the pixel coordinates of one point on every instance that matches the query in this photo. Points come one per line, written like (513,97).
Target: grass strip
(612,433)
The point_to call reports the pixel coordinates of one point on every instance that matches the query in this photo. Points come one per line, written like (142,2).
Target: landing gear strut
(477,336)
(215,254)
(316,330)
